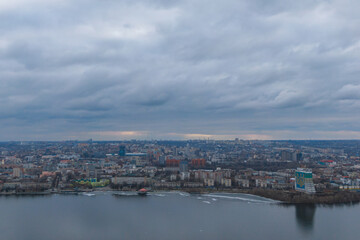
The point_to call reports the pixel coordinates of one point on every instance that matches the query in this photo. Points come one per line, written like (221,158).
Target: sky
(172,69)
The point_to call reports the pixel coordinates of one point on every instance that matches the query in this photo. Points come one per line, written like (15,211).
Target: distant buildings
(198,162)
(287,155)
(17,172)
(184,166)
(57,166)
(122,151)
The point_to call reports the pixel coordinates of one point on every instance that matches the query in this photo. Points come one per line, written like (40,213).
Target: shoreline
(287,197)
(294,197)
(284,197)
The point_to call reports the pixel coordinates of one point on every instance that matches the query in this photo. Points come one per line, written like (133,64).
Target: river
(175,215)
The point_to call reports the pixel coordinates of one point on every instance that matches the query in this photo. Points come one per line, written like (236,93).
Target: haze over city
(112,70)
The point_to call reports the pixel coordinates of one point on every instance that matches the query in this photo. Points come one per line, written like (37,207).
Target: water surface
(171,216)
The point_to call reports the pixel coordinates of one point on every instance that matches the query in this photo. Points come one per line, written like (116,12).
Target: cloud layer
(177,69)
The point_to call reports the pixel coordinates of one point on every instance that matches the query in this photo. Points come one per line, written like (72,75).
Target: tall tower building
(286,155)
(122,151)
(304,181)
(297,156)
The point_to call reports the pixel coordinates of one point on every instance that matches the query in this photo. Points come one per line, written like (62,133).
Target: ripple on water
(245,199)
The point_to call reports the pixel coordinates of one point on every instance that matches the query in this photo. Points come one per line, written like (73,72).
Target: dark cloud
(168,69)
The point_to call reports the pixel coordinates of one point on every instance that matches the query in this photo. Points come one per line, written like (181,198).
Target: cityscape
(179,119)
(197,166)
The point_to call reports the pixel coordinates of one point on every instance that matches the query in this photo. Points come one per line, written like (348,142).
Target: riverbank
(25,193)
(293,197)
(283,196)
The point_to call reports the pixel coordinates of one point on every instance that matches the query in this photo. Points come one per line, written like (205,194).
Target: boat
(142,192)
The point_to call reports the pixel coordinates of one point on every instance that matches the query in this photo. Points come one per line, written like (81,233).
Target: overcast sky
(171,69)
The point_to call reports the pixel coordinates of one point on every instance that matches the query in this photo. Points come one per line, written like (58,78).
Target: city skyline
(113,70)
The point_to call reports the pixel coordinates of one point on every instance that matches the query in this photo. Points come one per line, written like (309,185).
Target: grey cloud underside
(178,66)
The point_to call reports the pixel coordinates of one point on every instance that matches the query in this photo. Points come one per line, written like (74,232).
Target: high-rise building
(304,181)
(286,155)
(122,151)
(297,156)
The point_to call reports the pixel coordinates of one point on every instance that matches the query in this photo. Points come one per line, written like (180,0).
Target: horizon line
(176,140)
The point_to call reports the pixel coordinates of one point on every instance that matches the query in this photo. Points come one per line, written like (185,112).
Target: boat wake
(89,194)
(160,195)
(213,196)
(184,194)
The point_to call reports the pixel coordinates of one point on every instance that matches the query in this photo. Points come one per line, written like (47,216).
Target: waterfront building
(260,183)
(244,183)
(304,181)
(226,182)
(209,182)
(184,176)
